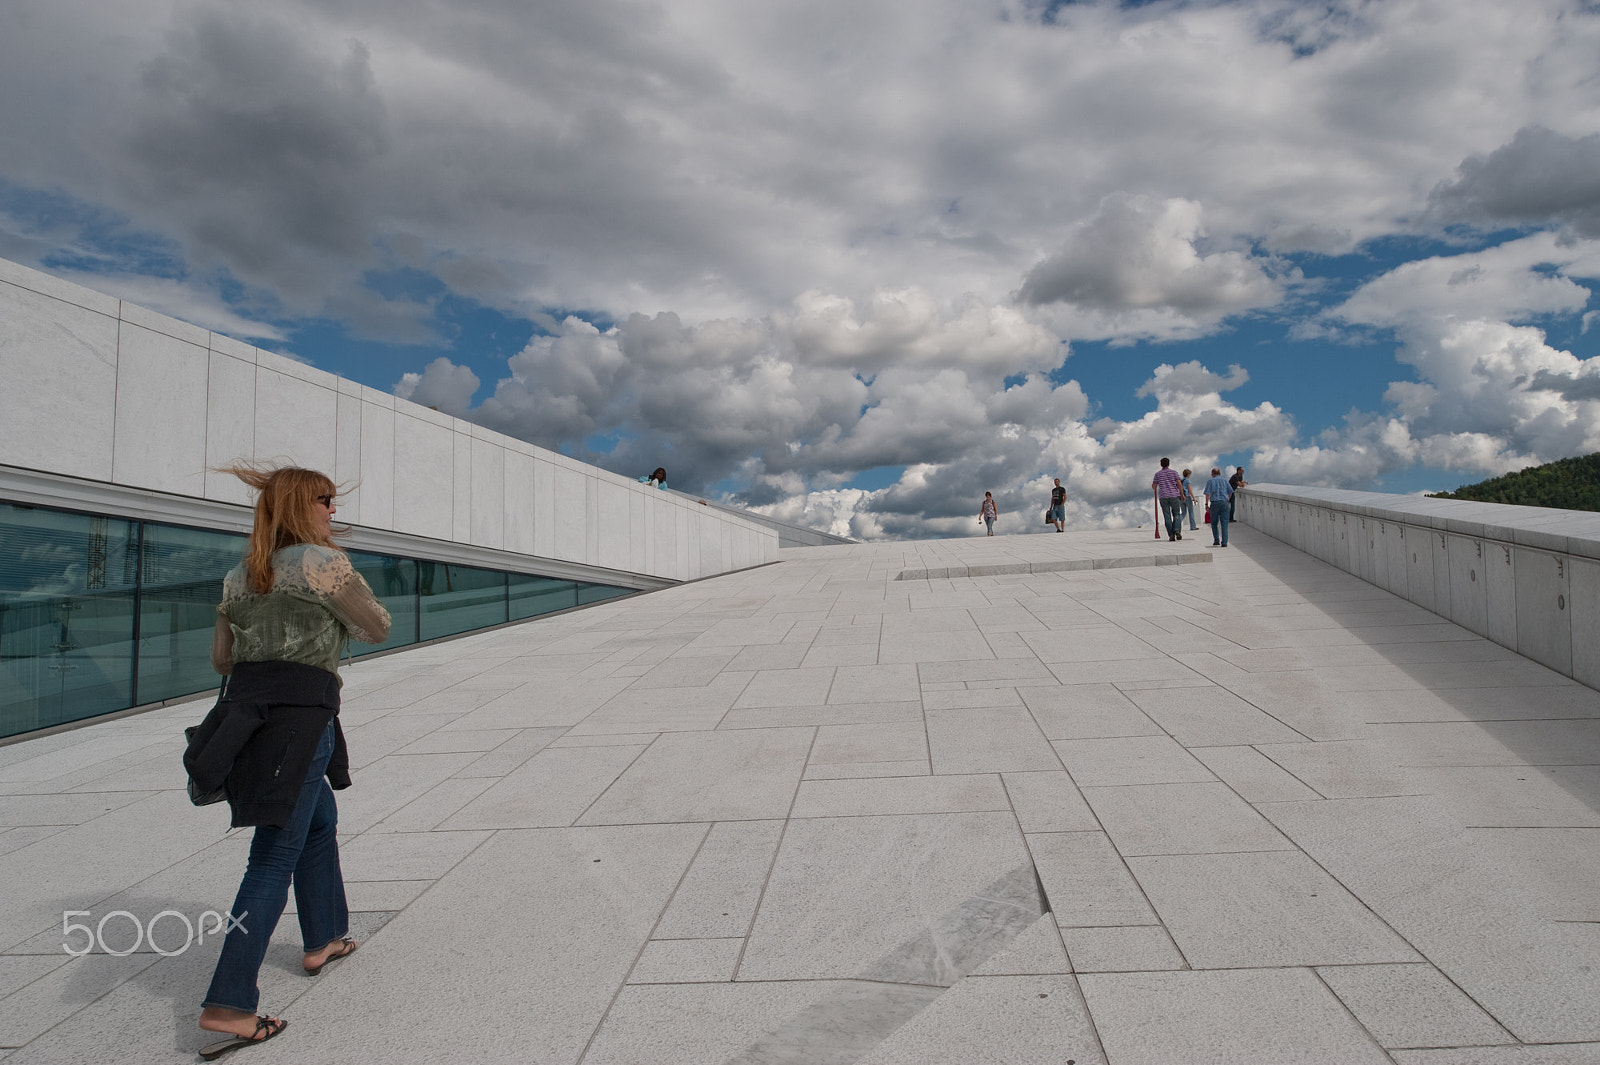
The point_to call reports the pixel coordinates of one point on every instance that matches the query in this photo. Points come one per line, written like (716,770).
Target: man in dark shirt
(1236,482)
(1058,506)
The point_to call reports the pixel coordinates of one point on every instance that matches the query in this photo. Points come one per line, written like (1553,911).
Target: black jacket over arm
(261,736)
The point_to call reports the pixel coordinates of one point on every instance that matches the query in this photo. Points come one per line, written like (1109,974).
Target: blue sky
(856,263)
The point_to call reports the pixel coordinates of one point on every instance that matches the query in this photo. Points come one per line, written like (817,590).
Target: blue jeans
(1188,509)
(1172,514)
(306,850)
(1221,514)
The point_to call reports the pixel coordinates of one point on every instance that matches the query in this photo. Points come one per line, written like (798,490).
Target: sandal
(271,1026)
(347,947)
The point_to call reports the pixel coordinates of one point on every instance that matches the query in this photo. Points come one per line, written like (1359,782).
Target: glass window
(532,596)
(394,581)
(594,593)
(180,587)
(66,616)
(459,598)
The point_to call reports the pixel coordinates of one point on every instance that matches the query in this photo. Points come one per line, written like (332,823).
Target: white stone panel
(612,530)
(15,274)
(461,513)
(230,424)
(688,567)
(424,469)
(638,537)
(1544,615)
(298,370)
(1584,602)
(65,418)
(161,412)
(238,349)
(521,511)
(488,493)
(160,323)
(347,456)
(1499,564)
(1417,549)
(591,543)
(377,465)
(296,421)
(709,539)
(544,514)
(571,508)
(1468,584)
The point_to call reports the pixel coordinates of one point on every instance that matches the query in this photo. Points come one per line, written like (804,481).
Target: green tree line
(1570,484)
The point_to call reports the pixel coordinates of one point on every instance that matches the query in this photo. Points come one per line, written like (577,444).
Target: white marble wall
(100,389)
(1527,578)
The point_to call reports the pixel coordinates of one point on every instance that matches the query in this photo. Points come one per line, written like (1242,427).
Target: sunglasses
(326,501)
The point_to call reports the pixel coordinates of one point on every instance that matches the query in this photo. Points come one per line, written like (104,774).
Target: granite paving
(1078,797)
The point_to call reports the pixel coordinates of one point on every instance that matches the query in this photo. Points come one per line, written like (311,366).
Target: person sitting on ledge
(657,479)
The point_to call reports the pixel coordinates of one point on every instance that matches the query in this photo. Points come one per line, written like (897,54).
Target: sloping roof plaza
(1236,806)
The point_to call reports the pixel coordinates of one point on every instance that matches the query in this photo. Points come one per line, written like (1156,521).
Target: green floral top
(317,603)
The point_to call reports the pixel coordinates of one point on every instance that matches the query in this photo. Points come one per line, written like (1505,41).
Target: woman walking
(989,512)
(274,742)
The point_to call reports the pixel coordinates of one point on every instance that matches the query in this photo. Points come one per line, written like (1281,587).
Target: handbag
(1208,514)
(1047,520)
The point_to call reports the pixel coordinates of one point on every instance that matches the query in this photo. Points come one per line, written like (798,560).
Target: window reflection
(66,616)
(99,614)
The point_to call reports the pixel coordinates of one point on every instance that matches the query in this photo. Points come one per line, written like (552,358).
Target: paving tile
(665,709)
(685,671)
(1086,880)
(1517,796)
(1224,1018)
(899,795)
(836,714)
(786,687)
(690,1024)
(910,647)
(1565,742)
(1263,909)
(512,753)
(406,855)
(1135,948)
(1136,760)
(1559,867)
(1412,1006)
(1087,711)
(552,973)
(1181,819)
(1252,774)
(845,891)
(987,740)
(1557,1054)
(1036,951)
(768,656)
(1342,769)
(1155,666)
(686,961)
(864,770)
(878,742)
(1048,802)
(34,811)
(737,774)
(551,789)
(999,1020)
(1211,716)
(718,895)
(1099,643)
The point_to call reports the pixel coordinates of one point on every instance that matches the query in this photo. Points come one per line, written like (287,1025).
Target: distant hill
(1568,484)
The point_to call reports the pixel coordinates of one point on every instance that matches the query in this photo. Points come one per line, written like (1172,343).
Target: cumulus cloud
(1540,177)
(1138,255)
(443,386)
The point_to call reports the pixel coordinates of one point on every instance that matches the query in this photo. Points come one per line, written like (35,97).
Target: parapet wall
(1527,578)
(103,391)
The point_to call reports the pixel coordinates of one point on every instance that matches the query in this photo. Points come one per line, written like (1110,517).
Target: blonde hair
(285,514)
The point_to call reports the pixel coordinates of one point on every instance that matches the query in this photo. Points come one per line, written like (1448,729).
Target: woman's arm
(222,645)
(330,574)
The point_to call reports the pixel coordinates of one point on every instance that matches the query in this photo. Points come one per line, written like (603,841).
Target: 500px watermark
(193,931)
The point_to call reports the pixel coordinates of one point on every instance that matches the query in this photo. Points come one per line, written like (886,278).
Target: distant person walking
(1235,482)
(1168,487)
(989,513)
(1058,506)
(1188,500)
(1219,503)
